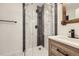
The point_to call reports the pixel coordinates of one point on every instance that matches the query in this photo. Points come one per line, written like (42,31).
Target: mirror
(72,10)
(70,13)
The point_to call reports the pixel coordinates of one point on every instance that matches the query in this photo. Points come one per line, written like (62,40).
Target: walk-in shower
(24,28)
(38,27)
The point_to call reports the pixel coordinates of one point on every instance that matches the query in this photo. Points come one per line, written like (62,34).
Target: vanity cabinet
(60,49)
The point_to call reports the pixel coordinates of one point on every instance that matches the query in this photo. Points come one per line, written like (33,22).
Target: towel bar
(8,21)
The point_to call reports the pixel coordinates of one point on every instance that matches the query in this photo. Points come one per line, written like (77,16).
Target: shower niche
(40,25)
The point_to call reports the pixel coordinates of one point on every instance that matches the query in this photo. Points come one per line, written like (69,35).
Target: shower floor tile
(37,51)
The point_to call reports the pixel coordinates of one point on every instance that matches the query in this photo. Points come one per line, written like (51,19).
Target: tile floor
(37,51)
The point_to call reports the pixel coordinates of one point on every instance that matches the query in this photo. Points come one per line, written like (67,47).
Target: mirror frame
(64,19)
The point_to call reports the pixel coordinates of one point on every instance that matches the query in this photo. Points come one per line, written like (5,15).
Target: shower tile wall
(31,21)
(48,22)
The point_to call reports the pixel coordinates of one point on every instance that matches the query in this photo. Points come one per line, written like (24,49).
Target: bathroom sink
(73,38)
(66,37)
(74,42)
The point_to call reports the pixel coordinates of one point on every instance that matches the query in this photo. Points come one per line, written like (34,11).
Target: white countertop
(68,41)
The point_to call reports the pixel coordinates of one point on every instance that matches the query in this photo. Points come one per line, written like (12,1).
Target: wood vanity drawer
(54,51)
(65,50)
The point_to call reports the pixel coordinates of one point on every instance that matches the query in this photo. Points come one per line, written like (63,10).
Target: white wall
(64,29)
(11,33)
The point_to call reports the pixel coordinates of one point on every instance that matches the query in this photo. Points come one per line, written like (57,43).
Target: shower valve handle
(36,26)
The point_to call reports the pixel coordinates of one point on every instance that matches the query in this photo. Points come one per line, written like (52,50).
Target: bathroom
(28,29)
